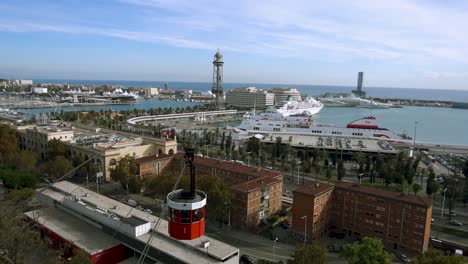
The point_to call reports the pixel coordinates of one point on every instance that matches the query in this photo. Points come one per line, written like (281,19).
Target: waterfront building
(256,192)
(284,94)
(39,90)
(104,148)
(401,221)
(249,97)
(152,91)
(359,92)
(23,82)
(110,231)
(36,138)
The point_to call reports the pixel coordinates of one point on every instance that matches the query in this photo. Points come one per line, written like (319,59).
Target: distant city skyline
(399,43)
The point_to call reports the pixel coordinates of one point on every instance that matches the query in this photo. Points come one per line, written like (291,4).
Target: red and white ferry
(365,127)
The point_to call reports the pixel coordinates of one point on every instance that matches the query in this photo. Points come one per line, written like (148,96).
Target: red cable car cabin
(187,214)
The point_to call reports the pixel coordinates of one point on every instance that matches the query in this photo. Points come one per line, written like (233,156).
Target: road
(259,246)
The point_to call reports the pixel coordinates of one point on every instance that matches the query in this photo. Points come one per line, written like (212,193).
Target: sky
(397,43)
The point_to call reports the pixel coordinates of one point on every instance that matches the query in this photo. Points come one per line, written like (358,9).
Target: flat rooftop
(162,241)
(398,196)
(80,233)
(333,142)
(314,189)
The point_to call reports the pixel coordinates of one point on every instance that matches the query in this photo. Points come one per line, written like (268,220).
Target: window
(185,216)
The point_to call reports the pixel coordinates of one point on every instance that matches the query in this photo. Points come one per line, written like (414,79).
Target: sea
(429,124)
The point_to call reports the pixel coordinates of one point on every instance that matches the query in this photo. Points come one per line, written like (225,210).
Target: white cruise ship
(350,100)
(308,107)
(276,123)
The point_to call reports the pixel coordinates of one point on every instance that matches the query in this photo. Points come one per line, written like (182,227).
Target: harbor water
(435,124)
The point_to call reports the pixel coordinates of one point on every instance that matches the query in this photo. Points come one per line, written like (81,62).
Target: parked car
(246,259)
(340,235)
(451,213)
(404,258)
(284,225)
(148,211)
(455,222)
(132,202)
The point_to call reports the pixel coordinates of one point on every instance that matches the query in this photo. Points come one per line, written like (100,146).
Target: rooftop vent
(205,244)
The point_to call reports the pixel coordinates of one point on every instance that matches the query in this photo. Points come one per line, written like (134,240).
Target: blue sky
(398,43)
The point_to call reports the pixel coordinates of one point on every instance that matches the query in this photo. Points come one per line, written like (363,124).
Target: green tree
(416,188)
(55,148)
(431,184)
(81,257)
(328,173)
(16,235)
(15,179)
(217,190)
(434,256)
(125,172)
(57,167)
(368,252)
(310,254)
(341,171)
(465,189)
(8,144)
(26,161)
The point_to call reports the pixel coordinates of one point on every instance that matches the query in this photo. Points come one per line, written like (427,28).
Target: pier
(197,116)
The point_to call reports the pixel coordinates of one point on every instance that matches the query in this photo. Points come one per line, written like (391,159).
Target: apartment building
(256,193)
(312,207)
(402,221)
(249,97)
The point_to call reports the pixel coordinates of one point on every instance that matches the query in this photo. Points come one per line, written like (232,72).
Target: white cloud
(410,33)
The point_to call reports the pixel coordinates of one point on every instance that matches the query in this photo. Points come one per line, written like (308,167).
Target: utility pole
(305,229)
(98,175)
(298,164)
(274,245)
(443,204)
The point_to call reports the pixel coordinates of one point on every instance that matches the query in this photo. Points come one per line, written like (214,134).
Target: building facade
(151,92)
(256,193)
(36,138)
(284,94)
(249,97)
(400,221)
(104,149)
(312,207)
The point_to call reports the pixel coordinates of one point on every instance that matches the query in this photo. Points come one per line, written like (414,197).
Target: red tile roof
(257,172)
(153,158)
(398,196)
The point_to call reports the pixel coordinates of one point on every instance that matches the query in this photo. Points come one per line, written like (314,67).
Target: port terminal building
(111,232)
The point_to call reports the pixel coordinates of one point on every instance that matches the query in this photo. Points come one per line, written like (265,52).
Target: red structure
(111,255)
(187,208)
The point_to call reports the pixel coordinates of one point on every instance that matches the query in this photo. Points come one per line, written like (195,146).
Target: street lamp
(414,136)
(305,229)
(298,163)
(443,204)
(274,245)
(229,215)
